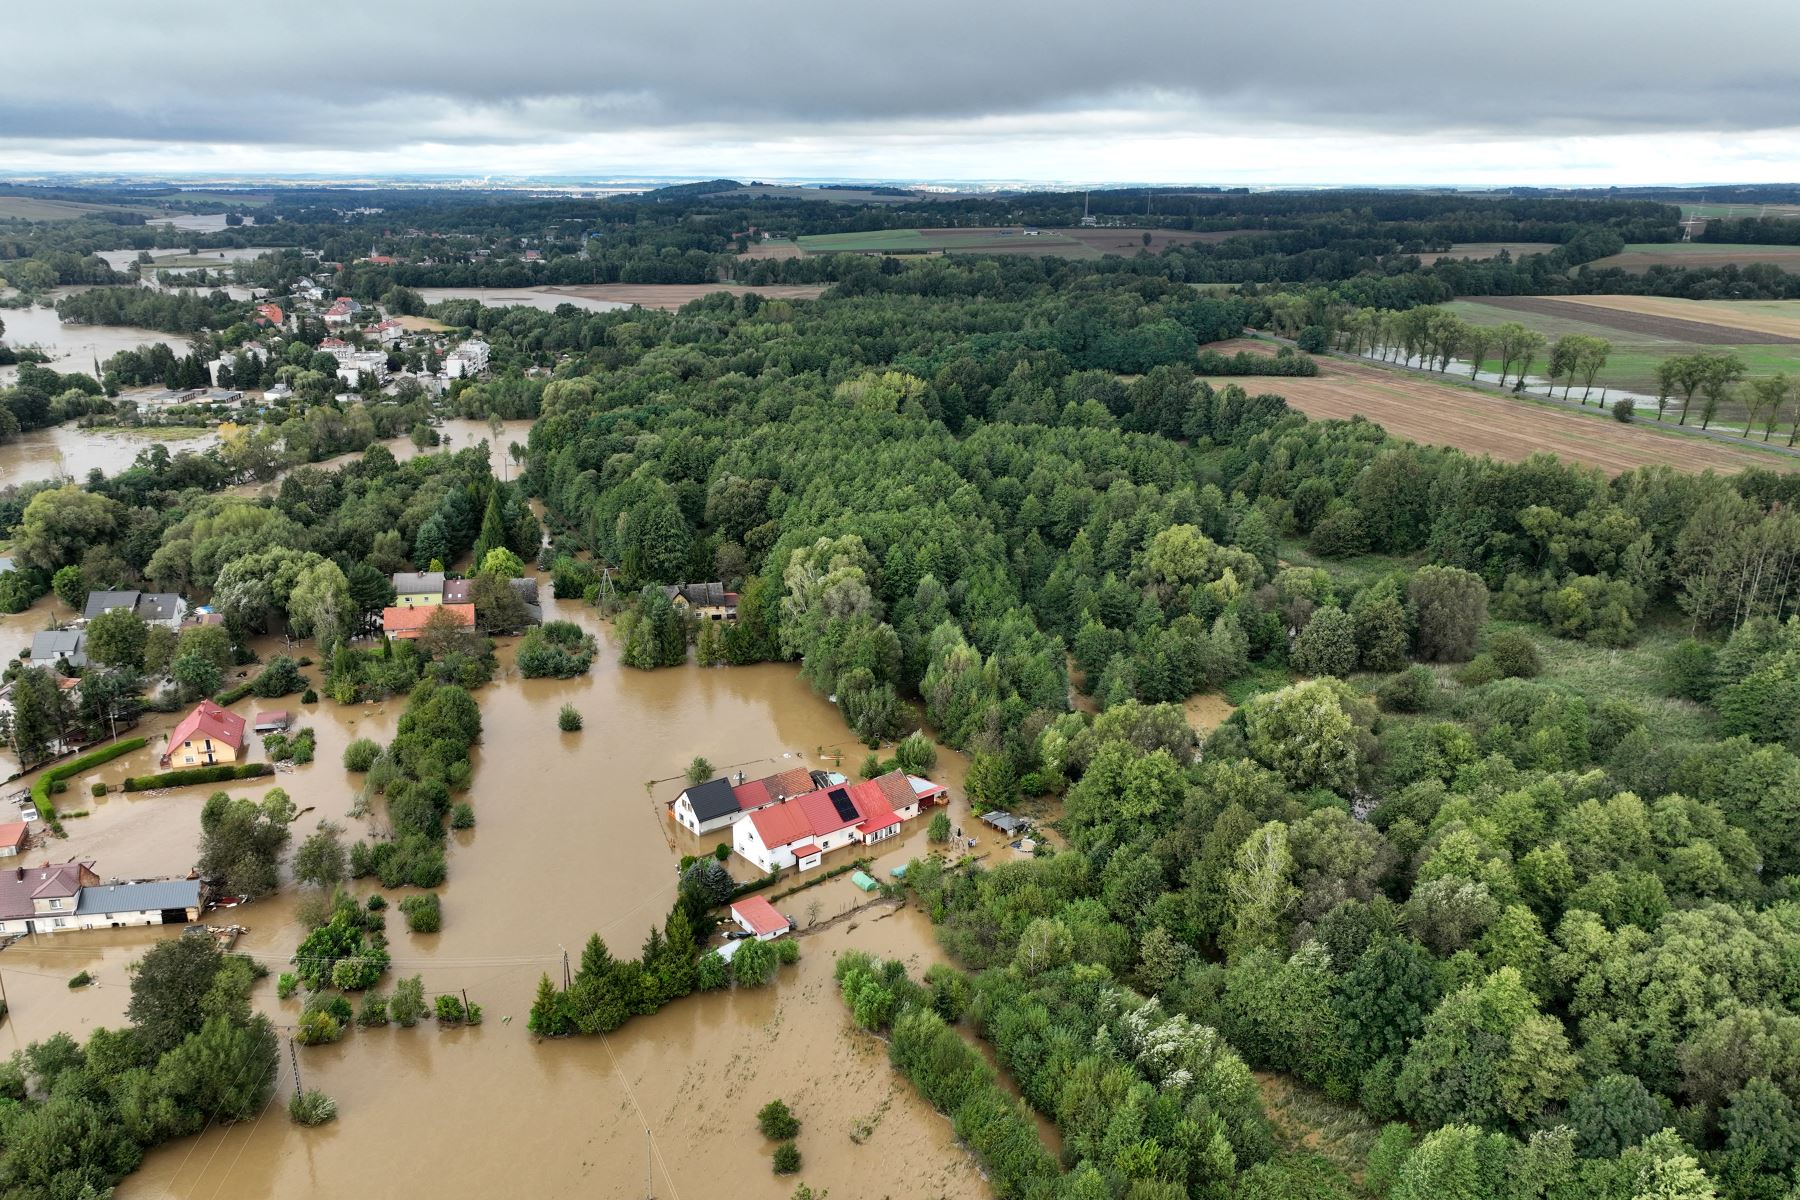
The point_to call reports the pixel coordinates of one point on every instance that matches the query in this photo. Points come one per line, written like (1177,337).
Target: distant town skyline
(1387,93)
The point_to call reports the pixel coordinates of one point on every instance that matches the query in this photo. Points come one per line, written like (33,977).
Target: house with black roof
(707,806)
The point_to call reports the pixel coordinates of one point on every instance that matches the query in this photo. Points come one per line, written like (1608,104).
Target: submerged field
(1444,414)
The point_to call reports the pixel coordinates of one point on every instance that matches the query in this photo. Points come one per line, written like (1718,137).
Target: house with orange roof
(800,831)
(208,736)
(407,622)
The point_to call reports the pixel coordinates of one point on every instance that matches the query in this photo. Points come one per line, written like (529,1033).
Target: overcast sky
(1184,91)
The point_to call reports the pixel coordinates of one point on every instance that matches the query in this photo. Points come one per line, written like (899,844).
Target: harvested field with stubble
(1675,324)
(1641,257)
(1438,414)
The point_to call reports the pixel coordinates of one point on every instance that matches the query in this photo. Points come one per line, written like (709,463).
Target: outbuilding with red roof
(408,621)
(758,918)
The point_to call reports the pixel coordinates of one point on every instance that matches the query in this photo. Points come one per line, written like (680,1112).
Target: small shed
(273,722)
(13,836)
(1002,820)
(898,872)
(758,918)
(864,881)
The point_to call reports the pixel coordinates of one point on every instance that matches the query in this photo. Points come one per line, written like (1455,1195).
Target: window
(60,922)
(56,904)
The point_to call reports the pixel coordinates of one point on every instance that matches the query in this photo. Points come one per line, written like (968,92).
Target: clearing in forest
(1482,251)
(1443,414)
(1698,322)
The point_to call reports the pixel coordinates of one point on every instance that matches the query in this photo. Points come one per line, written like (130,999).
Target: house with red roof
(13,836)
(208,736)
(408,622)
(270,314)
(800,831)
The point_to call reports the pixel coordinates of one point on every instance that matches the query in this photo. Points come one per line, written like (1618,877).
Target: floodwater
(455,434)
(543,298)
(70,451)
(75,347)
(572,836)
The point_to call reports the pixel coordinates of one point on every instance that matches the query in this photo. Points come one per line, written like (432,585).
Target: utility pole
(294,1060)
(649,1190)
(566,983)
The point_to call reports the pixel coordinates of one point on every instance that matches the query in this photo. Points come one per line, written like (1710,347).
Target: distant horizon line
(648,182)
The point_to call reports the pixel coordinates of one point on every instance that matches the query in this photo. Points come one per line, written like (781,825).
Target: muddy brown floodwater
(572,837)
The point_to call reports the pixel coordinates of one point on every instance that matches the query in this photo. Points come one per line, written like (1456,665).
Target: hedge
(145,783)
(40,791)
(230,696)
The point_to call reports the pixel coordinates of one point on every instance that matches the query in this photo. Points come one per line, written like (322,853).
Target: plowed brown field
(1633,318)
(1425,411)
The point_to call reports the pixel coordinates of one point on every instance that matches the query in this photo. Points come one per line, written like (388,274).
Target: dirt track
(1674,329)
(1425,411)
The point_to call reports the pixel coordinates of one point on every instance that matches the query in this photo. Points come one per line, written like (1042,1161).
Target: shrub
(232,695)
(361,754)
(1514,655)
(309,697)
(568,719)
(722,851)
(98,789)
(312,1107)
(787,951)
(81,980)
(377,902)
(787,1158)
(285,984)
(423,913)
(712,973)
(407,1007)
(699,771)
(280,678)
(462,816)
(318,1028)
(450,1011)
(1624,411)
(556,648)
(1409,691)
(939,829)
(374,1010)
(777,1121)
(754,963)
(295,747)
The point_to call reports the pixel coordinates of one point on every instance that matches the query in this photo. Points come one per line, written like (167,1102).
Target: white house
(390,331)
(49,899)
(801,831)
(717,803)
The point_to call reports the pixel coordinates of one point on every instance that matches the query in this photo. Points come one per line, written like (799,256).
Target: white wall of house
(684,815)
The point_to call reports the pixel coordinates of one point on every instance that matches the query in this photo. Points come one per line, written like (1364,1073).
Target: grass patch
(1352,573)
(40,791)
(1633,673)
(1260,678)
(1305,1122)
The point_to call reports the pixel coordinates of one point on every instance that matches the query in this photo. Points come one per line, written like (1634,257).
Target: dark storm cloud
(537,70)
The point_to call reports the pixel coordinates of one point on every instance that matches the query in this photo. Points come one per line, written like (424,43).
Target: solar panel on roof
(840,800)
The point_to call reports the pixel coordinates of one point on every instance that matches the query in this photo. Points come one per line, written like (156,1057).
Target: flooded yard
(70,451)
(572,836)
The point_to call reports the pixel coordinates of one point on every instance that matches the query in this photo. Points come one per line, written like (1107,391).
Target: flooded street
(572,836)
